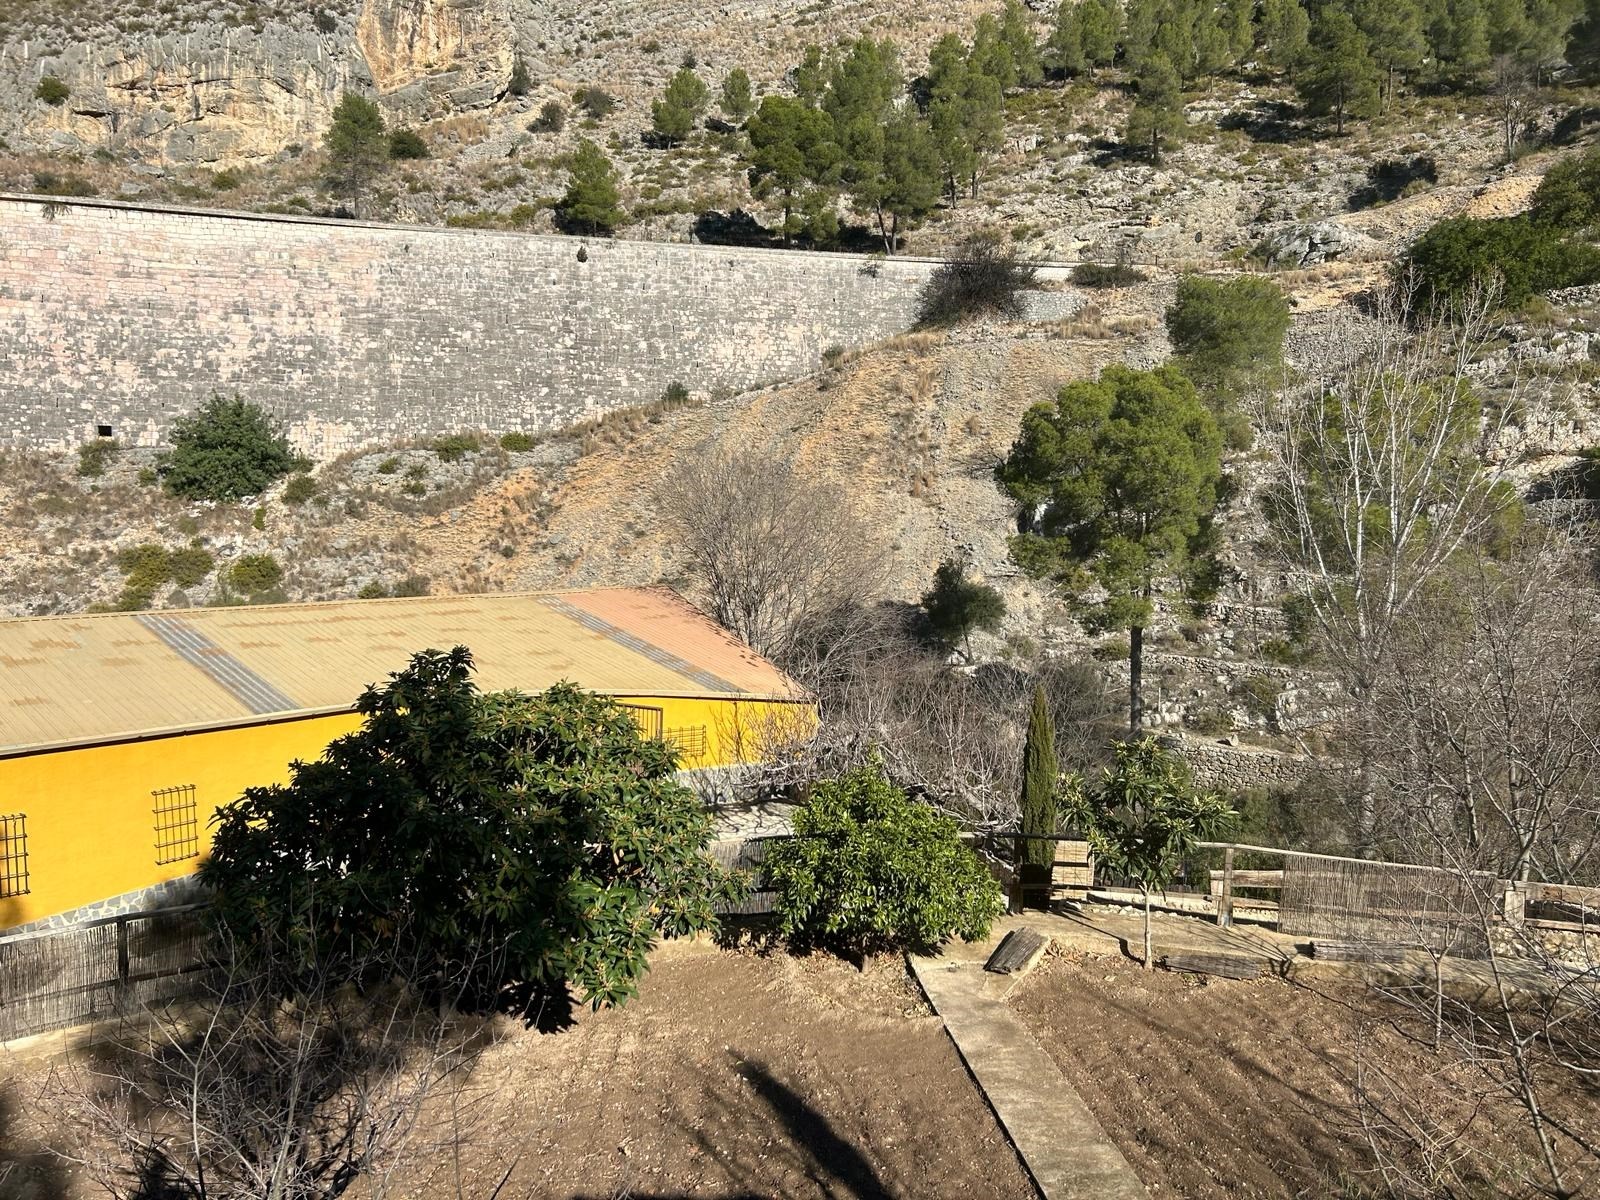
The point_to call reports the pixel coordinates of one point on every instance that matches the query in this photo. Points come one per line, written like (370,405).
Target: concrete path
(1068,1154)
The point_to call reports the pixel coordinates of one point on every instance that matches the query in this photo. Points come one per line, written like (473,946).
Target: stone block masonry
(123,317)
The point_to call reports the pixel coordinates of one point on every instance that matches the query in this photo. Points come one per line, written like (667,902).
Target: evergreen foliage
(591,201)
(738,99)
(1124,473)
(357,143)
(226,450)
(1340,77)
(1041,780)
(792,146)
(1156,122)
(1143,817)
(1568,197)
(1520,256)
(956,605)
(1227,334)
(674,116)
(873,870)
(407,144)
(499,839)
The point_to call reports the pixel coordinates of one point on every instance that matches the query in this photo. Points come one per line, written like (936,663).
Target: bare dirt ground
(1219,1088)
(732,1076)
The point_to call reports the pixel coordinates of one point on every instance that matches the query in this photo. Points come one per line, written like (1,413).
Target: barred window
(14,855)
(690,740)
(177,824)
(648,719)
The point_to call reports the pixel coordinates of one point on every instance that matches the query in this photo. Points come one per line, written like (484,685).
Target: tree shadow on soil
(831,1162)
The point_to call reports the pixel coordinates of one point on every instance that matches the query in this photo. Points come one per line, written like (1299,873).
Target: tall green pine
(1040,777)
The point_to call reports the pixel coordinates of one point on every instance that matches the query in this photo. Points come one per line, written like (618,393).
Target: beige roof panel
(105,676)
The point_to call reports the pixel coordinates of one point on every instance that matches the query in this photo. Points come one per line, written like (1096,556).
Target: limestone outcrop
(215,93)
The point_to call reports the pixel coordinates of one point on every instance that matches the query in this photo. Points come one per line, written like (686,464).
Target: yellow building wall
(90,810)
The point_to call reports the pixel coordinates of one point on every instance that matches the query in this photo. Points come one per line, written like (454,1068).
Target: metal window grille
(14,855)
(690,740)
(177,824)
(648,719)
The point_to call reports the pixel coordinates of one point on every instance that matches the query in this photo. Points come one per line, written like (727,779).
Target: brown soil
(731,1076)
(1218,1088)
(734,1075)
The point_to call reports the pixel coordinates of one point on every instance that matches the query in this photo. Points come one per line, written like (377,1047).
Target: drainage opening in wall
(104,431)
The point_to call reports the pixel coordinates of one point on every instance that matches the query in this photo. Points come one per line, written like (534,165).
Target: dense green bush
(1568,197)
(597,103)
(225,451)
(407,144)
(955,606)
(871,869)
(389,466)
(255,573)
(1227,334)
(552,118)
(52,91)
(1521,256)
(299,489)
(189,565)
(48,183)
(1106,275)
(517,441)
(500,839)
(94,457)
(455,446)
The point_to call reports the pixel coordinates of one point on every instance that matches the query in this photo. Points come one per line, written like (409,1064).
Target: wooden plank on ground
(1330,951)
(1018,952)
(1229,966)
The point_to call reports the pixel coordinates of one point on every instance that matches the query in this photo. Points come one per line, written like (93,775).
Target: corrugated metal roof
(104,676)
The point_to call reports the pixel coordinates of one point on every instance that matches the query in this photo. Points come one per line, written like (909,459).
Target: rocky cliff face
(217,92)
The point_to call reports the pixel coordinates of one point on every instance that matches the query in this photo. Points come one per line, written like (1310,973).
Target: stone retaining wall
(120,317)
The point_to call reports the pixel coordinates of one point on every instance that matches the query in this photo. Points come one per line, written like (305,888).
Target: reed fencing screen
(100,969)
(1385,903)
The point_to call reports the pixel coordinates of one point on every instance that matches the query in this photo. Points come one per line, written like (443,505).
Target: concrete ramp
(1065,1149)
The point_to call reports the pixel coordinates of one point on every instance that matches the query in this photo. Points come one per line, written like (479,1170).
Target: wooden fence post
(124,988)
(1225,901)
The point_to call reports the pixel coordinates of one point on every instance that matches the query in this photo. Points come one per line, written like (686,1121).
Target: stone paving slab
(1065,1149)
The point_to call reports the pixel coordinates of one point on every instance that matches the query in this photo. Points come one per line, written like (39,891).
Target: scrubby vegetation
(228,449)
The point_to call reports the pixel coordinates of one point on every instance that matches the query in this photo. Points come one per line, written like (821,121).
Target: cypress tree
(1039,773)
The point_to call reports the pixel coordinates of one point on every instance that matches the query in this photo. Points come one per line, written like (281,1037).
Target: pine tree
(737,98)
(673,117)
(1340,77)
(1394,31)
(1016,30)
(791,145)
(357,144)
(590,204)
(1040,781)
(1140,23)
(1101,21)
(1065,46)
(1285,33)
(956,605)
(1157,117)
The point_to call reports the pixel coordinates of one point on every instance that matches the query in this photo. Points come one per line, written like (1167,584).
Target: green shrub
(389,466)
(189,565)
(148,477)
(455,446)
(414,487)
(491,839)
(520,81)
(872,870)
(226,180)
(675,395)
(299,489)
(595,102)
(1106,275)
(372,591)
(48,183)
(147,566)
(227,450)
(52,91)
(259,519)
(1227,334)
(1568,197)
(1259,693)
(407,144)
(1519,255)
(411,585)
(552,118)
(94,457)
(517,441)
(254,573)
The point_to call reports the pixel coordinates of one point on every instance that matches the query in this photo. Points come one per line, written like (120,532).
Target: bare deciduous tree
(776,552)
(256,1091)
(1380,486)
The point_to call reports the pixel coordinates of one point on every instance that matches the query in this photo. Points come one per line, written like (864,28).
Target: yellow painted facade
(90,811)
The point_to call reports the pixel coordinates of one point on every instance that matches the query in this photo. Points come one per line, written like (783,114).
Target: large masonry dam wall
(123,317)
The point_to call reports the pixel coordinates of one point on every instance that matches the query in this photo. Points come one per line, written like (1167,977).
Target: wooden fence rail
(57,978)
